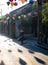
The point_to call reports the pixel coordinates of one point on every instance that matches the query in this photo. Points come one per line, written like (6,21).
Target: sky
(4,8)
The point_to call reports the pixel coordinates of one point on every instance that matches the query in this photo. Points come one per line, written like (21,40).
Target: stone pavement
(44,46)
(12,53)
(31,44)
(35,39)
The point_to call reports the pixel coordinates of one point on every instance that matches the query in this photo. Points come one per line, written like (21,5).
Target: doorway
(13,30)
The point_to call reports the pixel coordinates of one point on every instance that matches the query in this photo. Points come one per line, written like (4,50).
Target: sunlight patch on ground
(5,41)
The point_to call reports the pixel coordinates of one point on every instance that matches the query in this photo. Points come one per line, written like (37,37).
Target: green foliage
(45,13)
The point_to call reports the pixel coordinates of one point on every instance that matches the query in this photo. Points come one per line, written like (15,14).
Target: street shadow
(7,36)
(22,62)
(13,44)
(35,48)
(30,46)
(40,60)
(2,63)
(9,44)
(9,50)
(20,51)
(16,41)
(30,51)
(0,51)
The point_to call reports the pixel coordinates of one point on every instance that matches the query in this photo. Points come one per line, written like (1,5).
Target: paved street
(12,53)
